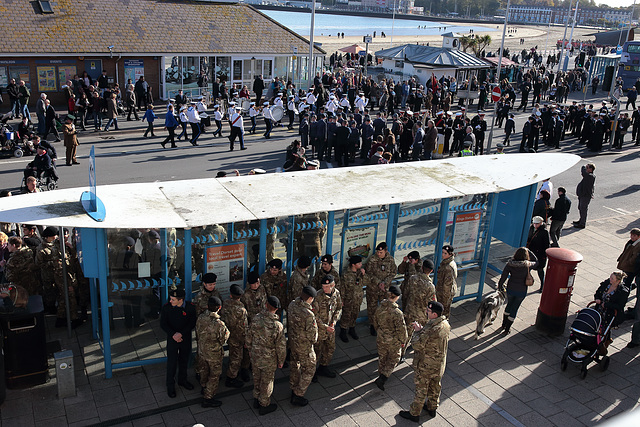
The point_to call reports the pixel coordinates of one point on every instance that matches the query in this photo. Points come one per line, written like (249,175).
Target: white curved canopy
(198,202)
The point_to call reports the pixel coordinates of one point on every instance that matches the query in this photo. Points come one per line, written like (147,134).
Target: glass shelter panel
(417,229)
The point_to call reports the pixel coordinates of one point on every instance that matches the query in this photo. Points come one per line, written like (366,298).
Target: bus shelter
(233,225)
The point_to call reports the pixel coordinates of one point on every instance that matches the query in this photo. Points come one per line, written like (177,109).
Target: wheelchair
(47,181)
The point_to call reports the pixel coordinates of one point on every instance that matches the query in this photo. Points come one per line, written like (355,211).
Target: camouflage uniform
(275,285)
(254,301)
(212,334)
(309,236)
(392,336)
(378,270)
(303,334)
(327,309)
(352,293)
(430,347)
(407,269)
(21,270)
(299,280)
(320,273)
(49,259)
(419,292)
(201,301)
(234,316)
(268,347)
(446,286)
(84,292)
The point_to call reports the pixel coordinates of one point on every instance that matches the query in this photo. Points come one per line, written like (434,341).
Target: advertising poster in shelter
(465,235)
(228,262)
(358,240)
(47,79)
(133,69)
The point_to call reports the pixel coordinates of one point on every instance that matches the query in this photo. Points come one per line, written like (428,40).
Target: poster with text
(47,79)
(133,69)
(228,262)
(358,240)
(465,235)
(66,73)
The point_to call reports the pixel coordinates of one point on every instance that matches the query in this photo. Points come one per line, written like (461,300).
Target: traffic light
(581,59)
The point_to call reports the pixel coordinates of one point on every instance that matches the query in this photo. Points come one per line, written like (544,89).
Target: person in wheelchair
(25,130)
(49,148)
(42,166)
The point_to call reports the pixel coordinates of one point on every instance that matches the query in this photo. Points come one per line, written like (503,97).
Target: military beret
(428,264)
(448,248)
(395,290)
(209,278)
(213,303)
(310,291)
(154,234)
(327,258)
(277,263)
(304,261)
(50,232)
(30,227)
(221,174)
(414,255)
(381,245)
(129,241)
(236,290)
(274,302)
(354,259)
(327,279)
(436,307)
(253,277)
(177,293)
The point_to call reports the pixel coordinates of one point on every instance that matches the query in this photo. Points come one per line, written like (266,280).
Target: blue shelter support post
(291,246)
(442,229)
(263,246)
(533,191)
(230,231)
(93,291)
(345,224)
(330,225)
(188,272)
(164,293)
(392,227)
(101,243)
(493,203)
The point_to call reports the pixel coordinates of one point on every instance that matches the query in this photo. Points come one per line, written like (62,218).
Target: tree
(468,42)
(481,43)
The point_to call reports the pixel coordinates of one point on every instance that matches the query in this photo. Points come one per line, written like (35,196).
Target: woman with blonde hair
(517,269)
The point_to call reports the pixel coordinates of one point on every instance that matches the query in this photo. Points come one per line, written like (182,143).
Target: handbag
(529,279)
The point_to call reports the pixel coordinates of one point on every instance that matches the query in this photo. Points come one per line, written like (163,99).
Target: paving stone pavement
(495,381)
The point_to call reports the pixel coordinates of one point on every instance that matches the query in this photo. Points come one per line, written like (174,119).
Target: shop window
(172,75)
(267,67)
(4,77)
(190,71)
(21,73)
(237,70)
(223,63)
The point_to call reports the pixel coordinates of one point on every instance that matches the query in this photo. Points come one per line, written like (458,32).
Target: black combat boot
(233,382)
(353,333)
(264,410)
(245,375)
(372,330)
(380,381)
(407,415)
(324,371)
(211,403)
(343,335)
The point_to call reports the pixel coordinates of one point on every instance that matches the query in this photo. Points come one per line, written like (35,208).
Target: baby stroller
(590,336)
(9,144)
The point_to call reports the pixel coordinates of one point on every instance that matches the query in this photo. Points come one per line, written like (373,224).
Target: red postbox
(556,293)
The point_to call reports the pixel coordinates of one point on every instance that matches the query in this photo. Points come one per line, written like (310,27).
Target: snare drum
(277,112)
(245,104)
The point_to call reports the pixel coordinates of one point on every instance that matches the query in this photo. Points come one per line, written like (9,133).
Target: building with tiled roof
(170,42)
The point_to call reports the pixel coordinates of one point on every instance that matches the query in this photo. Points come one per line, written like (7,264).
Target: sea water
(326,25)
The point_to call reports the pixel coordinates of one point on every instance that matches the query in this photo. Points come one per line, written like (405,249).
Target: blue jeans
(110,122)
(24,110)
(514,299)
(97,120)
(41,123)
(15,108)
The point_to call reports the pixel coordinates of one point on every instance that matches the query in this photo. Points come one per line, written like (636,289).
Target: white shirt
(311,98)
(237,122)
(183,117)
(193,115)
(546,185)
(278,101)
(253,112)
(291,106)
(231,111)
(344,102)
(332,106)
(201,107)
(361,102)
(266,113)
(217,115)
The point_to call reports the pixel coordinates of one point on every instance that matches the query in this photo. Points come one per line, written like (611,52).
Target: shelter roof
(611,38)
(431,55)
(142,27)
(207,201)
(495,59)
(354,48)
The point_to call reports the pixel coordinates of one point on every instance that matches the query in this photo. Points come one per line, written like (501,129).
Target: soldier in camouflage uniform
(212,335)
(352,293)
(303,334)
(392,335)
(299,277)
(84,292)
(309,236)
(380,270)
(234,316)
(20,269)
(430,346)
(201,302)
(268,347)
(30,238)
(446,286)
(274,280)
(326,267)
(409,266)
(327,306)
(49,259)
(254,296)
(419,292)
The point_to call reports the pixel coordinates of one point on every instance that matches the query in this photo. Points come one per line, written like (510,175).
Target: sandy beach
(533,35)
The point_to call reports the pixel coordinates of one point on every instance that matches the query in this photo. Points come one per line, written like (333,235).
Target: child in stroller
(591,330)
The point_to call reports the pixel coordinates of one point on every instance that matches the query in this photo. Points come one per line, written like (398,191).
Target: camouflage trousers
(84,293)
(427,388)
(49,295)
(388,358)
(263,384)
(350,310)
(238,358)
(73,305)
(210,371)
(445,297)
(325,349)
(303,367)
(374,297)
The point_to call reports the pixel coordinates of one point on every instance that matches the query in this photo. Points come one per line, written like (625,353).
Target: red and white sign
(495,94)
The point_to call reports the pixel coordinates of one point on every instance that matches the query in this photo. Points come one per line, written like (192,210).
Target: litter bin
(556,293)
(25,345)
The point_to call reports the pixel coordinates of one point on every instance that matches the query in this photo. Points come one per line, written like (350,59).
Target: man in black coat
(177,320)
(258,88)
(559,215)
(584,191)
(50,118)
(13,92)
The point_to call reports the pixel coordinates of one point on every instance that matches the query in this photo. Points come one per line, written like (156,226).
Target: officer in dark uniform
(177,319)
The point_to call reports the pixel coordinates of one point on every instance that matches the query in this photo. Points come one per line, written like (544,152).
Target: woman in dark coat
(612,296)
(516,271)
(538,243)
(542,206)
